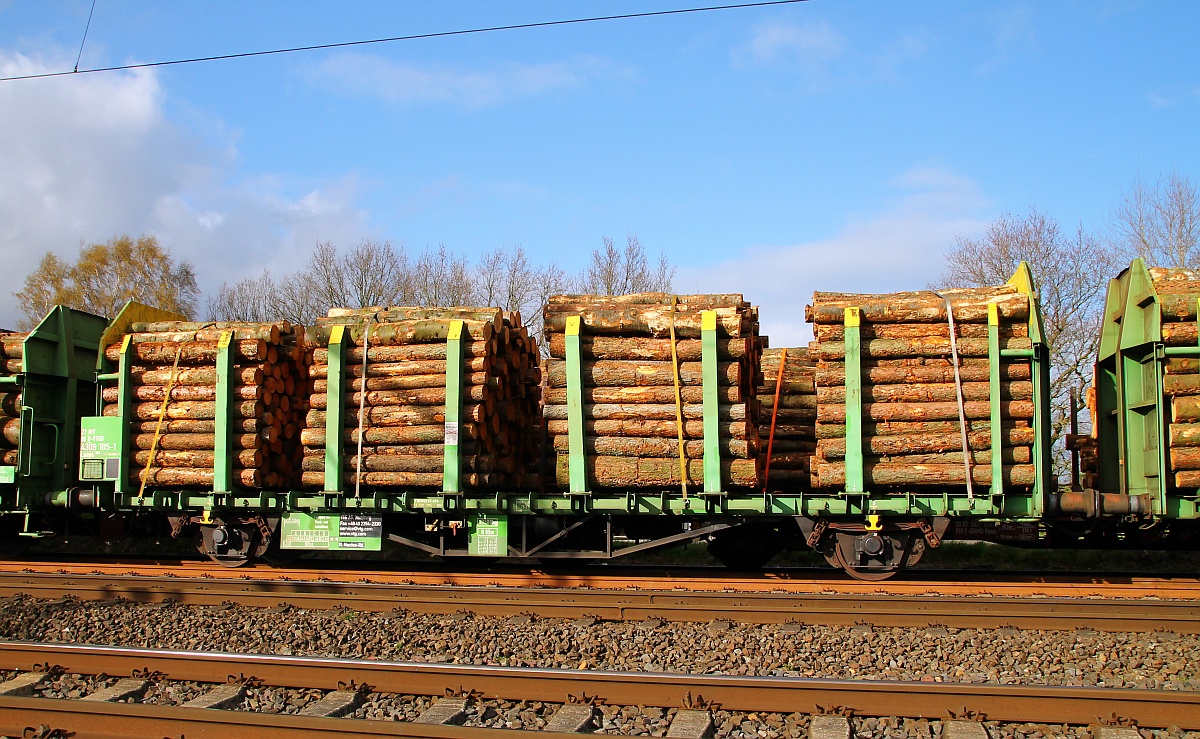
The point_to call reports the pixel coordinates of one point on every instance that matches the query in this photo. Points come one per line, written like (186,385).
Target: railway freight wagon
(656,419)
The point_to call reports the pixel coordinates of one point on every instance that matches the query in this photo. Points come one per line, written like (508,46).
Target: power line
(85,32)
(413,37)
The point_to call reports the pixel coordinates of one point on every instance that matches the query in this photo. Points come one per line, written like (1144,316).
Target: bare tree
(1160,223)
(1071,274)
(372,273)
(253,299)
(616,271)
(442,278)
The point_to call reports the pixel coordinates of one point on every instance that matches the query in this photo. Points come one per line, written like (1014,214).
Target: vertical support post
(576,459)
(994,399)
(712,426)
(222,447)
(335,410)
(124,412)
(451,460)
(854,411)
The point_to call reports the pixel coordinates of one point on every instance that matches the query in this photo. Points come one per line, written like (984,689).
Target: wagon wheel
(861,573)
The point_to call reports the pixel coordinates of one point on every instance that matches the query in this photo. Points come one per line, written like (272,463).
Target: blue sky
(771,151)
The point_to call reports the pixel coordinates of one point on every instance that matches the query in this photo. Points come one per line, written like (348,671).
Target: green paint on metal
(331,531)
(712,426)
(451,461)
(100,449)
(854,418)
(576,459)
(335,411)
(223,452)
(8,475)
(994,417)
(124,411)
(487,535)
(1039,357)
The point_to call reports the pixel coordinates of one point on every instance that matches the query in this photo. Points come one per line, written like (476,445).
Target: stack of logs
(630,429)
(910,411)
(267,407)
(403,420)
(10,398)
(787,432)
(1178,291)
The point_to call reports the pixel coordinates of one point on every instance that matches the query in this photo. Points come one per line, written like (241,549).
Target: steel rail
(627,605)
(1013,703)
(128,720)
(717,579)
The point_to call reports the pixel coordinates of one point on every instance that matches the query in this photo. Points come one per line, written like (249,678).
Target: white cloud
(397,82)
(901,247)
(807,47)
(85,158)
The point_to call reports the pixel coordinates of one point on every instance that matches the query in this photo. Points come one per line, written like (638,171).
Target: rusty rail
(1013,703)
(695,606)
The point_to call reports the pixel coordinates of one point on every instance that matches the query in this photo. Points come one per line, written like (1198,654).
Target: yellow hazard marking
(874,523)
(573,325)
(225,339)
(853,316)
(708,320)
(456,330)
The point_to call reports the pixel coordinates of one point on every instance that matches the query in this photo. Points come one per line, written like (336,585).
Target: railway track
(491,598)
(453,688)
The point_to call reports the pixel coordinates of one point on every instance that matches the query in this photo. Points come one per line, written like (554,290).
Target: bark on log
(875,375)
(10,404)
(927,308)
(837,332)
(144,393)
(391,435)
(933,347)
(651,394)
(786,402)
(1178,306)
(614,373)
(402,332)
(928,393)
(399,314)
(648,411)
(655,350)
(392,479)
(140,327)
(264,331)
(190,410)
(935,475)
(407,353)
(634,472)
(244,459)
(403,369)
(654,321)
(1185,458)
(399,415)
(185,477)
(14,348)
(1009,409)
(419,396)
(398,463)
(1184,434)
(192,352)
(787,445)
(701,301)
(190,426)
(198,442)
(1181,384)
(13,366)
(10,429)
(413,382)
(923,443)
(646,427)
(626,446)
(141,375)
(1188,479)
(837,430)
(1185,409)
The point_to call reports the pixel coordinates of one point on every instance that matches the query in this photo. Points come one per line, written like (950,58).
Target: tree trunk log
(936,475)
(928,393)
(1022,409)
(183,476)
(244,459)
(923,443)
(630,446)
(933,347)
(647,411)
(837,332)
(145,393)
(391,479)
(189,410)
(1181,384)
(434,396)
(192,352)
(1185,458)
(634,472)
(647,427)
(651,394)
(829,376)
(391,435)
(786,401)
(189,426)
(404,369)
(252,375)
(433,331)
(970,306)
(634,374)
(569,301)
(1184,434)
(398,463)
(195,442)
(413,382)
(645,349)
(399,415)
(408,353)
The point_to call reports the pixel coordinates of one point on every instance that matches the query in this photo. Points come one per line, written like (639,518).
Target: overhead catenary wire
(394,39)
(85,33)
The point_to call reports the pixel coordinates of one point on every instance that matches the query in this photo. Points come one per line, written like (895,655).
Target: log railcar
(73,460)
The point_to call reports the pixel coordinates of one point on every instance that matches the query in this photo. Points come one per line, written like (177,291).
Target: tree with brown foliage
(106,276)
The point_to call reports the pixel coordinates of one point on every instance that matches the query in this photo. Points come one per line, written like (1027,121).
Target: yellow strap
(162,415)
(683,473)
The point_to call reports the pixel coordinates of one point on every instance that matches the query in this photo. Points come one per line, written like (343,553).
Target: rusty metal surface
(123,720)
(1015,703)
(1123,615)
(693,579)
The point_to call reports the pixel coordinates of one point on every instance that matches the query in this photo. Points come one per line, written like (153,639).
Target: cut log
(633,472)
(391,479)
(408,353)
(190,426)
(837,332)
(10,429)
(197,442)
(268,332)
(185,477)
(408,368)
(648,394)
(928,393)
(837,430)
(632,374)
(654,321)
(834,475)
(652,428)
(1022,409)
(1181,384)
(391,435)
(401,332)
(1184,434)
(400,415)
(244,459)
(190,410)
(831,375)
(640,348)
(933,347)
(1185,458)
(647,411)
(1185,409)
(701,301)
(143,393)
(412,382)
(407,463)
(969,307)
(625,446)
(923,443)
(252,375)
(417,396)
(192,352)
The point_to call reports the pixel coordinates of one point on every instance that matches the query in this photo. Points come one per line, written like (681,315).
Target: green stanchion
(223,452)
(451,460)
(576,459)
(854,417)
(712,426)
(994,360)
(335,410)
